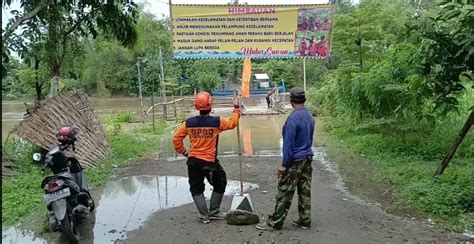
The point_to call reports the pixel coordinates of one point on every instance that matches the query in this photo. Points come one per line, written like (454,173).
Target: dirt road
(337,216)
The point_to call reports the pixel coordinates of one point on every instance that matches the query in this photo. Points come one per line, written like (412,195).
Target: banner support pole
(304,74)
(171,28)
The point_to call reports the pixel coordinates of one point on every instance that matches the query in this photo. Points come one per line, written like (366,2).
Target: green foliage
(21,195)
(125,117)
(125,148)
(407,159)
(364,32)
(11,89)
(447,44)
(208,81)
(113,123)
(103,65)
(400,99)
(20,81)
(65,22)
(160,127)
(408,77)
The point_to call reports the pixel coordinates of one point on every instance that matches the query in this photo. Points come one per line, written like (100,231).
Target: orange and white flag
(246,74)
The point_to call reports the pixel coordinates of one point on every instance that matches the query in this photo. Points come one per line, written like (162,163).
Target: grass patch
(125,148)
(159,128)
(22,195)
(407,158)
(120,117)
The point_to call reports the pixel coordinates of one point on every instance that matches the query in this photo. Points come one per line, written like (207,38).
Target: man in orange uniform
(203,131)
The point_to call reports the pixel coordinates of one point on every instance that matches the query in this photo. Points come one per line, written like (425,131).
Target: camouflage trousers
(297,177)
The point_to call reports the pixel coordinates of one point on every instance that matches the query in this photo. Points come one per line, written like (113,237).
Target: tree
(105,66)
(448,47)
(60,22)
(366,31)
(208,80)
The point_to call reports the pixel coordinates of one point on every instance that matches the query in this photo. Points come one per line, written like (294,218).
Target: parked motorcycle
(66,192)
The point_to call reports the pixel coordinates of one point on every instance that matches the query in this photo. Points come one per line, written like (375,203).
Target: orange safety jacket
(203,132)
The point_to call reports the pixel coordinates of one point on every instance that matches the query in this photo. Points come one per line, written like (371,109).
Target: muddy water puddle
(260,135)
(11,235)
(124,205)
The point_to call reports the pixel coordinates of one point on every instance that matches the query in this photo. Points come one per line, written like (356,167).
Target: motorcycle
(66,192)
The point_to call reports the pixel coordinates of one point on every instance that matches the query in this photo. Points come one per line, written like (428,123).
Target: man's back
(298,134)
(203,132)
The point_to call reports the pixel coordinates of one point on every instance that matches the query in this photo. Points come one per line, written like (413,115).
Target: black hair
(204,112)
(298,100)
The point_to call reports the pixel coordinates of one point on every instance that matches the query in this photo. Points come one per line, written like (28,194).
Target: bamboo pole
(457,142)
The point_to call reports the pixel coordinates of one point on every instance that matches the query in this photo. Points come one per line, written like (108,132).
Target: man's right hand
(281,171)
(236,101)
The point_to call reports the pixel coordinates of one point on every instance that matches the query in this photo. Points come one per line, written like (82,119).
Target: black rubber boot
(214,205)
(201,205)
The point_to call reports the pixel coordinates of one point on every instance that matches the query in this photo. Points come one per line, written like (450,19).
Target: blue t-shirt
(298,136)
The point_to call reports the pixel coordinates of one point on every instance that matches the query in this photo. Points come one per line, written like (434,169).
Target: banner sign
(247,31)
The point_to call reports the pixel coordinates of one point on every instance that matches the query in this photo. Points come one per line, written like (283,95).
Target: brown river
(13,111)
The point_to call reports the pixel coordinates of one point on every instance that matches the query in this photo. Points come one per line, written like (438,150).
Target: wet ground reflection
(124,205)
(13,235)
(127,203)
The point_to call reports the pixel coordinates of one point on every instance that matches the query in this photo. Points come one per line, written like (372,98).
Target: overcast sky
(160,7)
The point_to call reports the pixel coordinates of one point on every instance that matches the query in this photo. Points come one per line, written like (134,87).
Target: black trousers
(200,169)
(268,101)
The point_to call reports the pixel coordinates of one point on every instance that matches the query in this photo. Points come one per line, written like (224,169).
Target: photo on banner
(314,27)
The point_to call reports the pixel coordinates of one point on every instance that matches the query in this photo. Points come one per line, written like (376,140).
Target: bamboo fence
(41,123)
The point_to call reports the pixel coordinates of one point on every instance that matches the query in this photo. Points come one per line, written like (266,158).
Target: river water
(13,111)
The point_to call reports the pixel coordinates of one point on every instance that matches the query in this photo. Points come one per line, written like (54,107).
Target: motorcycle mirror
(37,157)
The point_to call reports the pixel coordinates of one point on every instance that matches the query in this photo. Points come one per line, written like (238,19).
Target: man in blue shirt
(295,171)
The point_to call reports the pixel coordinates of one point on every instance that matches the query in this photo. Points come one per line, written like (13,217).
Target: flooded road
(124,205)
(132,209)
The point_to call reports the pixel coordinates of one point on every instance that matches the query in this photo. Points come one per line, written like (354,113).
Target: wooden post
(174,108)
(175,112)
(163,88)
(240,151)
(140,92)
(153,105)
(457,142)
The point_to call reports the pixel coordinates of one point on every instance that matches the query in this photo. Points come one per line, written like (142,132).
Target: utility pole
(140,91)
(162,83)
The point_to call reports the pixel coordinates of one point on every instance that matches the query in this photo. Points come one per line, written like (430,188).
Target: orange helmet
(203,101)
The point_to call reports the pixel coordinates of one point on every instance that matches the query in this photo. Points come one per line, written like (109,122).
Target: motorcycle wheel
(70,227)
(91,203)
